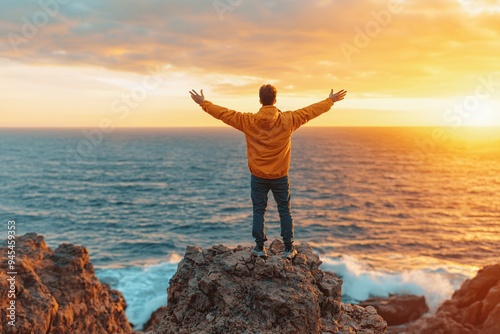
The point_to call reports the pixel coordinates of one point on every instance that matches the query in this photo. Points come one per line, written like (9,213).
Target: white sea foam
(362,282)
(143,287)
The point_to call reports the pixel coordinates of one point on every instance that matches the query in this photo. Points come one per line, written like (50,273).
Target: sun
(488,114)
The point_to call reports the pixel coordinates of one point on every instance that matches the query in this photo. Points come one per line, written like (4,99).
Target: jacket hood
(267,117)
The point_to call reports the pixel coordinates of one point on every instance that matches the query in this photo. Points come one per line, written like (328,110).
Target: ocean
(391,210)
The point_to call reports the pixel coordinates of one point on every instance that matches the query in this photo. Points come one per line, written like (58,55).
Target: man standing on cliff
(268,135)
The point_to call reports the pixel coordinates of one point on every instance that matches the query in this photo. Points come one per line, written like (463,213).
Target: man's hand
(338,95)
(196,97)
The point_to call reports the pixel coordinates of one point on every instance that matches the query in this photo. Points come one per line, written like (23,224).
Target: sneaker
(260,251)
(289,252)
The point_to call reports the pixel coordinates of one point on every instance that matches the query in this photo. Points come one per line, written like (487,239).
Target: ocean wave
(436,282)
(143,287)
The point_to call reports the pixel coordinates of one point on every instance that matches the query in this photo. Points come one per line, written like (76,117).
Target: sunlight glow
(488,114)
(480,6)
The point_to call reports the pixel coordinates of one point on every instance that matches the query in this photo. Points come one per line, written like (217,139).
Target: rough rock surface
(397,310)
(474,308)
(154,320)
(223,290)
(58,292)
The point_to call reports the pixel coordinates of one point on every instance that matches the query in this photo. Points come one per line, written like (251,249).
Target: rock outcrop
(397,310)
(473,309)
(58,292)
(223,290)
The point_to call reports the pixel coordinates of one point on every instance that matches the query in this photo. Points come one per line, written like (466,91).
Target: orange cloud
(374,48)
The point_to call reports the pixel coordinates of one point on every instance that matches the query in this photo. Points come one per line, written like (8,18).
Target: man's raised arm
(302,116)
(230,117)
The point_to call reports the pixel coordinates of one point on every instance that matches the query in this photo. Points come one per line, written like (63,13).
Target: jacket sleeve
(302,116)
(237,120)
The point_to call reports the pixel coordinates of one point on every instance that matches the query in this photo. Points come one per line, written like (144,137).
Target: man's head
(267,94)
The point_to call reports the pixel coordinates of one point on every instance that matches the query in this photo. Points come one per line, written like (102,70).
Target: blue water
(391,209)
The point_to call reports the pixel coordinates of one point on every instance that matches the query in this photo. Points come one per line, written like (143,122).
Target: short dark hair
(267,94)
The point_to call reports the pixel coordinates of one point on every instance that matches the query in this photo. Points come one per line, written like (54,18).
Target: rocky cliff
(220,290)
(58,292)
(224,290)
(473,309)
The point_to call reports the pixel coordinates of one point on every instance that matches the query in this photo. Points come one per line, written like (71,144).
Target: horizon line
(229,127)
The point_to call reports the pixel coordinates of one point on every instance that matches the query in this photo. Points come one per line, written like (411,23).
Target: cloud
(299,44)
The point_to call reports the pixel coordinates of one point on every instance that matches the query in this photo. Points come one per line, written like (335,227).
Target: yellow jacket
(268,133)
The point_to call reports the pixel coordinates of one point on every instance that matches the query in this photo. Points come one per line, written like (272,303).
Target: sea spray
(143,287)
(436,283)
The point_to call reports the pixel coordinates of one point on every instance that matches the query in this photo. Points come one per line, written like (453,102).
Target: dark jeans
(281,192)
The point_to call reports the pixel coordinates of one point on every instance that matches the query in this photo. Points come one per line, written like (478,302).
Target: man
(268,135)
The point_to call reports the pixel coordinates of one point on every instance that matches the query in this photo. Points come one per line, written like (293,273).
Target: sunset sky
(69,63)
